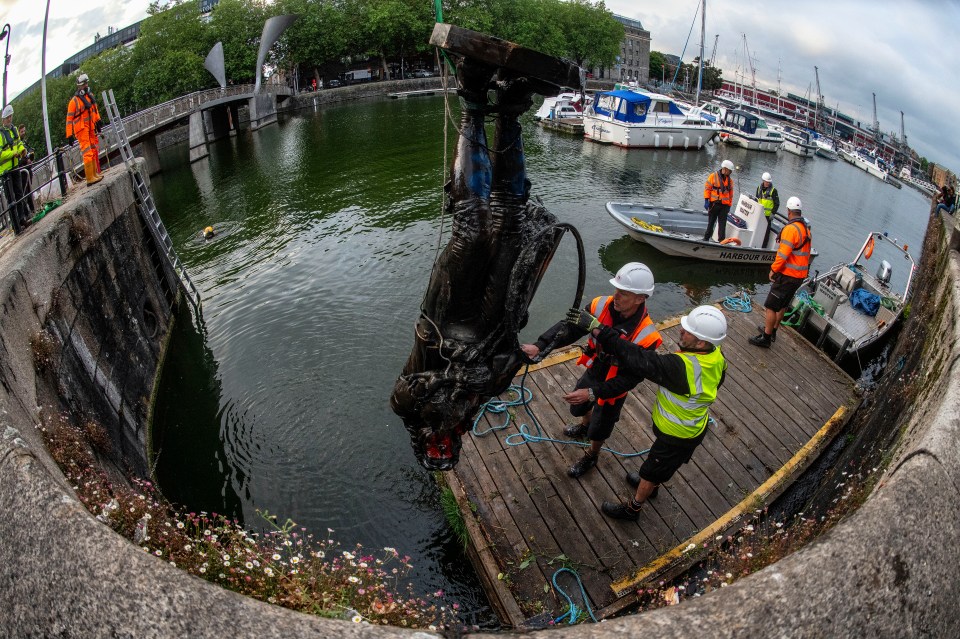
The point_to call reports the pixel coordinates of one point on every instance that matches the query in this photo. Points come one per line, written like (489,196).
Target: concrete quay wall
(887,571)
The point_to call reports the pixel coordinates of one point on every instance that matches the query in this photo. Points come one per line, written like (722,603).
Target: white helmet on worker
(7,112)
(82,79)
(793,204)
(706,323)
(635,278)
(766,177)
(726,164)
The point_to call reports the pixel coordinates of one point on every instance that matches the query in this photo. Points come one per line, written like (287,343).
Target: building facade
(633,63)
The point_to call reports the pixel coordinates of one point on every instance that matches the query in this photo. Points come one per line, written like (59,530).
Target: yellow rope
(647,225)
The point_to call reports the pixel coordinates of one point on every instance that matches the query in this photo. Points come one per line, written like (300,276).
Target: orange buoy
(732,240)
(868,249)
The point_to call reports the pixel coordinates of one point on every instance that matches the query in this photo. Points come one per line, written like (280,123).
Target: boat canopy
(631,106)
(743,121)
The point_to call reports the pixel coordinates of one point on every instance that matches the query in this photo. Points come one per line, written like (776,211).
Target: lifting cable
(804,300)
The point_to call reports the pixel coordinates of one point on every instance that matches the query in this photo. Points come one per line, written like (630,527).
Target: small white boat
(750,131)
(925,187)
(798,142)
(847,308)
(869,162)
(826,148)
(679,232)
(563,105)
(634,119)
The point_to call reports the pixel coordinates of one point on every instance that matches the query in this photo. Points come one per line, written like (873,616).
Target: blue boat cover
(865,301)
(627,106)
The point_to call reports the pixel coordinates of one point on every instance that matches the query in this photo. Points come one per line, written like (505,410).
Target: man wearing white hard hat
(83,123)
(787,273)
(600,392)
(688,383)
(717,200)
(769,199)
(12,154)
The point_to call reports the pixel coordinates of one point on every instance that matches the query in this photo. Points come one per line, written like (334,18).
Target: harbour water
(328,224)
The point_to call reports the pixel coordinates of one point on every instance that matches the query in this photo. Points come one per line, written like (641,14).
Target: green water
(327,225)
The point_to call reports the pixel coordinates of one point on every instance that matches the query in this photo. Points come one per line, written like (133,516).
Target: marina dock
(774,414)
(565,125)
(402,95)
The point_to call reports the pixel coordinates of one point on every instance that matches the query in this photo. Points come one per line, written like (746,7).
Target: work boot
(629,511)
(577,430)
(90,173)
(586,462)
(762,340)
(633,479)
(763,329)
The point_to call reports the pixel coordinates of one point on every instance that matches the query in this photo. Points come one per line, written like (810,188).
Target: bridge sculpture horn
(272,29)
(215,65)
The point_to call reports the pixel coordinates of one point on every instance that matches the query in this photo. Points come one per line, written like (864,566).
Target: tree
(658,66)
(396,28)
(592,37)
(320,37)
(238,25)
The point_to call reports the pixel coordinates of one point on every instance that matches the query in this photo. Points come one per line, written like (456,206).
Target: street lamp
(6,59)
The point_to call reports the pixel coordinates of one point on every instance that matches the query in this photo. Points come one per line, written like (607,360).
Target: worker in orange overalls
(601,391)
(789,269)
(83,123)
(717,200)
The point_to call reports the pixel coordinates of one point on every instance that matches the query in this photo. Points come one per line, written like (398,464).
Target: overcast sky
(905,51)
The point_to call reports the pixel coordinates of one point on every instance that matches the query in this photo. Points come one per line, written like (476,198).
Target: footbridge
(211,114)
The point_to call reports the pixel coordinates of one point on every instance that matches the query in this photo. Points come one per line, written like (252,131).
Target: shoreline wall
(885,571)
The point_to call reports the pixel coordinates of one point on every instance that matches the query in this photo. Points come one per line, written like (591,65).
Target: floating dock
(573,126)
(776,411)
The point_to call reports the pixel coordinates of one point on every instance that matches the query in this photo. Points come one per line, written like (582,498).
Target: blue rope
(573,611)
(523,395)
(739,302)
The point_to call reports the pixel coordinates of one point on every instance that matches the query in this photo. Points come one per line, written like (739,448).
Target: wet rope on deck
(741,302)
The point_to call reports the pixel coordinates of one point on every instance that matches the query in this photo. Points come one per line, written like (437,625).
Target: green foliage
(592,37)
(658,65)
(451,510)
(238,25)
(28,111)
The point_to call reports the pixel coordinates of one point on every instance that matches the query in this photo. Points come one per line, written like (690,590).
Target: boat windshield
(761,124)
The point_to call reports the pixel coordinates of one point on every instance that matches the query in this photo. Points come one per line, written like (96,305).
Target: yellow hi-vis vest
(685,416)
(765,198)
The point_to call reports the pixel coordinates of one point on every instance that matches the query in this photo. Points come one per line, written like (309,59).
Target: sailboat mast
(703,29)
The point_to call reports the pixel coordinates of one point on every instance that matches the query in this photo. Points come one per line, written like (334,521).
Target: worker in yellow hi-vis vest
(768,197)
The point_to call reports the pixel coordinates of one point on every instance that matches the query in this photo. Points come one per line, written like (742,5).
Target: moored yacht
(750,131)
(636,119)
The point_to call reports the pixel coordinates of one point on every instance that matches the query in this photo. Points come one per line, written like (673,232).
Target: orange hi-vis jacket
(82,118)
(793,256)
(719,188)
(644,335)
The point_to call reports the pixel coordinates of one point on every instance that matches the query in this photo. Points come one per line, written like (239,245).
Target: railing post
(61,172)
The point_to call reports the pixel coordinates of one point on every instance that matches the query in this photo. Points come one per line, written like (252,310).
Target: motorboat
(826,148)
(635,119)
(848,308)
(869,162)
(563,105)
(798,142)
(679,231)
(750,131)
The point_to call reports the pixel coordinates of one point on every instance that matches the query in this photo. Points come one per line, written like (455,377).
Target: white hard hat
(7,111)
(766,177)
(82,79)
(726,164)
(793,204)
(706,323)
(635,278)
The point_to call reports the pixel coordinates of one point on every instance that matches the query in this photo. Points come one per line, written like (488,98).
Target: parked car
(332,84)
(422,73)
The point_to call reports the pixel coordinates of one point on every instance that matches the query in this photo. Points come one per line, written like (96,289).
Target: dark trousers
(717,215)
(13,188)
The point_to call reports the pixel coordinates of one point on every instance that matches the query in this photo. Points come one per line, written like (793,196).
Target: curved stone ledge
(888,570)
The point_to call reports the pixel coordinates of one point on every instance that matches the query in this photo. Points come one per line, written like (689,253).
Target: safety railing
(28,187)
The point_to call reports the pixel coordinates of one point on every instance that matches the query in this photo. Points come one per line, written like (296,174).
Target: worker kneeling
(688,383)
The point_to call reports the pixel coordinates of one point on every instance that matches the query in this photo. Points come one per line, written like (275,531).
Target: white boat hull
(798,148)
(750,143)
(632,136)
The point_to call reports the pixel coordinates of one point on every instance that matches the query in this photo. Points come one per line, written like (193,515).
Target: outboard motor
(884,272)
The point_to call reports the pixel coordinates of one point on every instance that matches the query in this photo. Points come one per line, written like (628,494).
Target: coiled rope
(573,611)
(803,300)
(741,302)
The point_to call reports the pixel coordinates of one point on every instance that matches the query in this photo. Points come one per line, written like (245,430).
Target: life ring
(868,249)
(732,240)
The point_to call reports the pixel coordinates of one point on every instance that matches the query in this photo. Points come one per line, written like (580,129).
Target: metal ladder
(146,205)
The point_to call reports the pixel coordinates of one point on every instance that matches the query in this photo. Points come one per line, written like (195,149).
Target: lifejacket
(10,148)
(644,335)
(82,113)
(765,198)
(719,189)
(685,416)
(797,263)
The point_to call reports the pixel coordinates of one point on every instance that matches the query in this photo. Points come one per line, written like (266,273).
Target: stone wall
(85,277)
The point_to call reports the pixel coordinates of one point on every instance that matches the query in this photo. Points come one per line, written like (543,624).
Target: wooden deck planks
(771,403)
